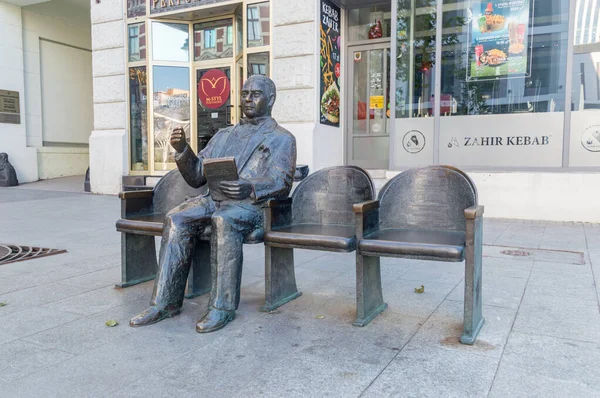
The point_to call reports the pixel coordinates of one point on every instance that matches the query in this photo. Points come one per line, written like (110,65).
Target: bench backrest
(326,196)
(432,197)
(171,190)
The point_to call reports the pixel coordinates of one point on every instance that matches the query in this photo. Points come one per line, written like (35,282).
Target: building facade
(506,90)
(46,68)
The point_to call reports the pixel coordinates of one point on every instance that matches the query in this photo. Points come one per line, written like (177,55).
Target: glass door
(213,105)
(369,106)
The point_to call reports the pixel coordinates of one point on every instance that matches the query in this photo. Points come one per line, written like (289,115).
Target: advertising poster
(330,64)
(499,45)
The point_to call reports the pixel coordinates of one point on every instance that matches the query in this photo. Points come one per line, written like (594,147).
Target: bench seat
(313,236)
(422,244)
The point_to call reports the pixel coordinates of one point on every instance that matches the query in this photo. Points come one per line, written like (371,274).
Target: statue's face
(256,99)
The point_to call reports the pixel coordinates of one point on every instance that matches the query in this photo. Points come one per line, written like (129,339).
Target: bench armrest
(473,212)
(134,203)
(278,213)
(364,207)
(272,203)
(366,218)
(136,194)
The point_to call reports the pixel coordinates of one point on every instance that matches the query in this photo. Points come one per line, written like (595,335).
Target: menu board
(499,43)
(330,64)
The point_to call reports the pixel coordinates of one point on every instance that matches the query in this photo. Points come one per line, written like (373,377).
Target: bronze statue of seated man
(265,155)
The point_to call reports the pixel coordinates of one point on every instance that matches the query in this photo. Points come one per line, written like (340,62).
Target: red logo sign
(213,89)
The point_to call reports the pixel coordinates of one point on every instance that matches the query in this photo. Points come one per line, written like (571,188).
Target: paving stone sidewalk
(541,337)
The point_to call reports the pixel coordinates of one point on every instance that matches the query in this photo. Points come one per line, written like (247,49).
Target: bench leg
(473,262)
(369,295)
(138,259)
(199,278)
(280,278)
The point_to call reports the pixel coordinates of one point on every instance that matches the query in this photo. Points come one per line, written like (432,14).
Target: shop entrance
(369,103)
(213,105)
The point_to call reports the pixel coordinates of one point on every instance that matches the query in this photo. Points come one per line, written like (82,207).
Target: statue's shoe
(152,315)
(214,320)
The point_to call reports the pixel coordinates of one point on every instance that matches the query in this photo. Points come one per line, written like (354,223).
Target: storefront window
(416,76)
(170,42)
(504,57)
(137,42)
(259,24)
(415,59)
(171,90)
(585,92)
(370,22)
(503,77)
(136,8)
(138,118)
(258,64)
(213,40)
(240,32)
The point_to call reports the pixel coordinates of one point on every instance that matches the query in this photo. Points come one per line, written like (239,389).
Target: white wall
(64,32)
(66,93)
(13,136)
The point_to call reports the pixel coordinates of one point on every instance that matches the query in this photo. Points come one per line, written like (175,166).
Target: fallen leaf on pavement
(420,289)
(111,323)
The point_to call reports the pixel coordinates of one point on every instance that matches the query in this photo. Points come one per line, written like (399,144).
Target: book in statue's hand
(216,171)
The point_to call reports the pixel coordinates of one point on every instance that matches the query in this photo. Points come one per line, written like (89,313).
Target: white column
(109,140)
(294,70)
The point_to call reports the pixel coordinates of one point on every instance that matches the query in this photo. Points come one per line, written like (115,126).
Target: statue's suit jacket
(267,161)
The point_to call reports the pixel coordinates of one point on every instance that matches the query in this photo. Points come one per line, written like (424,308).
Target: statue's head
(258,96)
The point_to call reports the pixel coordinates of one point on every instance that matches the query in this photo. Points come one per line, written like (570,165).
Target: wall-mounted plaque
(10,112)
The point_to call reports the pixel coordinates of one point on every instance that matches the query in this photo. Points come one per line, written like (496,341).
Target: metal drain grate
(12,253)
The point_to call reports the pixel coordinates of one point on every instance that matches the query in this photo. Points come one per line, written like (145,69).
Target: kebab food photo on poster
(499,44)
(330,64)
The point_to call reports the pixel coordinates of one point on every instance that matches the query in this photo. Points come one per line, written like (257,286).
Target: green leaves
(3,304)
(420,290)
(111,323)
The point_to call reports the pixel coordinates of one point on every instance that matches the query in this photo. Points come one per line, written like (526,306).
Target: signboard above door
(160,6)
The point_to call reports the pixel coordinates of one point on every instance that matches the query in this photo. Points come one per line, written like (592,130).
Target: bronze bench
(428,213)
(318,216)
(142,216)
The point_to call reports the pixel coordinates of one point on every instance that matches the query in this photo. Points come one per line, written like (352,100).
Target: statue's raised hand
(178,139)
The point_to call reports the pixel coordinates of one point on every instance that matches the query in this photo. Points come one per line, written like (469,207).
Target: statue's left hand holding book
(217,170)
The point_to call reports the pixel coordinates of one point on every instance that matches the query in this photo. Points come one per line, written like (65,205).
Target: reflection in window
(136,8)
(523,71)
(371,22)
(229,37)
(137,42)
(258,64)
(138,118)
(415,64)
(213,40)
(586,58)
(209,38)
(239,31)
(170,42)
(258,18)
(171,99)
